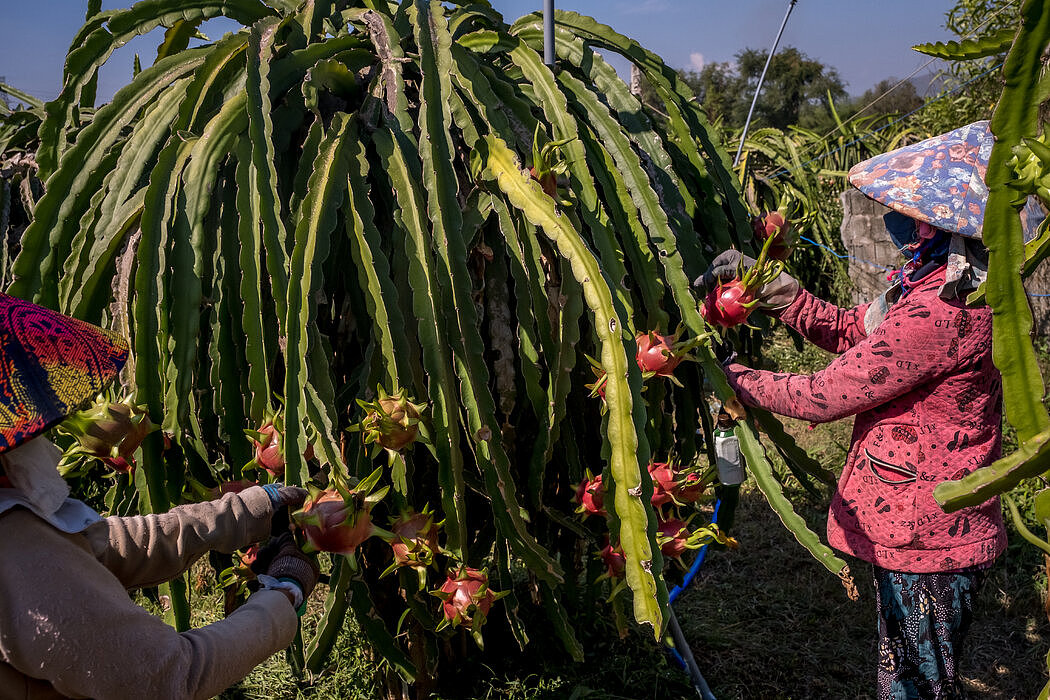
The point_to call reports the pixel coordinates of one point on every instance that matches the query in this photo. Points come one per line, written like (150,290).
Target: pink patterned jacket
(927,402)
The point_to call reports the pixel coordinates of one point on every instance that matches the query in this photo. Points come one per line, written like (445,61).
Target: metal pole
(761,78)
(548,32)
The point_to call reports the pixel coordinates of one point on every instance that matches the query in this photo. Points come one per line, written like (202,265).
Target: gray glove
(773,296)
(290,564)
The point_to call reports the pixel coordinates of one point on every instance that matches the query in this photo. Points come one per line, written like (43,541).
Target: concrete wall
(865,238)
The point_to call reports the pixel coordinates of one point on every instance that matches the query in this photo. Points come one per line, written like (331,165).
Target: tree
(795,90)
(887,97)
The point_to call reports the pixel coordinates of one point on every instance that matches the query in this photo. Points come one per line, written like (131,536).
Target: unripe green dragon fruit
(109,431)
(392,421)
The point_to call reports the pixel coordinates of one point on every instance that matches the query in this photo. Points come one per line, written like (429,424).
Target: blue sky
(864,41)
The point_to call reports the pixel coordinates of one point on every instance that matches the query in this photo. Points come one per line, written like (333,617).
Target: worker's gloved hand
(282,496)
(724,351)
(290,564)
(773,296)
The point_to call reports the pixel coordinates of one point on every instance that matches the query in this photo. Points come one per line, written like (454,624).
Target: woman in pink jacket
(915,370)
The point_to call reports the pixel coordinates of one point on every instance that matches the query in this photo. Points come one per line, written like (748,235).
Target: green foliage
(889,97)
(975,84)
(969,49)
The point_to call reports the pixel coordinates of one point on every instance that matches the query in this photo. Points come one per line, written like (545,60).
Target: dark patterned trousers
(922,621)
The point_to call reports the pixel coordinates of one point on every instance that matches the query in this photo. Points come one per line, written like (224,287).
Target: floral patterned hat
(939,180)
(50,365)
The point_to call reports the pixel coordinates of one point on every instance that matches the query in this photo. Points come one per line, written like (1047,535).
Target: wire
(846,257)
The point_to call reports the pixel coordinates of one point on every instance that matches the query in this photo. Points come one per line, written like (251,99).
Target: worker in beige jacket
(68,628)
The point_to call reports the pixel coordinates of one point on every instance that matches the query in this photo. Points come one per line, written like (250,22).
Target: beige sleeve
(146,550)
(68,621)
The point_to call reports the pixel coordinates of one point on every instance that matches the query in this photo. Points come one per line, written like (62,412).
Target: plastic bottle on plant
(727,453)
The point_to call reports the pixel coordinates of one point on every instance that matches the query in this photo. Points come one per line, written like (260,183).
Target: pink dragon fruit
(656,355)
(466,598)
(338,521)
(590,496)
(615,564)
(415,540)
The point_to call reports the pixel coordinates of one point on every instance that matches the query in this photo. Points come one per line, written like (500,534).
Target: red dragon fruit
(615,564)
(338,521)
(690,489)
(119,464)
(656,354)
(415,540)
(590,496)
(673,536)
(664,482)
(731,302)
(774,227)
(673,484)
(249,555)
(268,443)
(391,421)
(598,387)
(268,452)
(466,598)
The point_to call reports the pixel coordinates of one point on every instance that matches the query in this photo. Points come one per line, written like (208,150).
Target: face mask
(902,229)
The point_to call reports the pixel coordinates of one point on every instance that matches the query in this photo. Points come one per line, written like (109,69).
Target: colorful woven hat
(939,180)
(50,366)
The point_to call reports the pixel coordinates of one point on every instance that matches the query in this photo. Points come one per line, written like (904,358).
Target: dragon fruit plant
(340,196)
(466,600)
